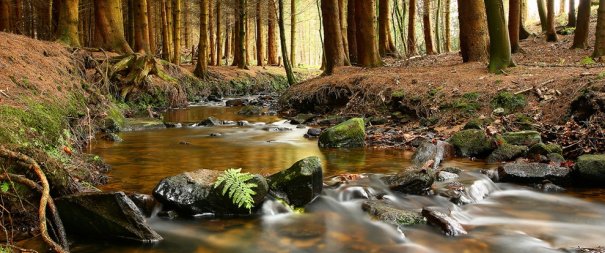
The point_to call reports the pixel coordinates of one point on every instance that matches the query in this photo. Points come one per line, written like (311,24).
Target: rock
(299,184)
(301,126)
(506,152)
(428,151)
(251,110)
(314,132)
(276,129)
(236,102)
(216,135)
(472,143)
(388,213)
(548,186)
(229,122)
(211,121)
(145,203)
(519,172)
(104,214)
(243,123)
(173,125)
(544,149)
(193,193)
(499,111)
(556,158)
(522,138)
(492,174)
(349,134)
(112,137)
(454,170)
(332,120)
(377,120)
(302,118)
(444,176)
(592,167)
(111,126)
(587,104)
(215,98)
(447,224)
(410,182)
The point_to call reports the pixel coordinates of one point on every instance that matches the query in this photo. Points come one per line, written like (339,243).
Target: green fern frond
(236,187)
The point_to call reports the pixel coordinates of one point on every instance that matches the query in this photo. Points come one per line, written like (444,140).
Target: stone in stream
(428,151)
(104,214)
(276,129)
(447,224)
(302,118)
(410,181)
(251,110)
(236,102)
(472,143)
(389,213)
(592,168)
(193,193)
(520,172)
(145,203)
(349,134)
(506,152)
(299,184)
(522,138)
(211,121)
(313,132)
(445,176)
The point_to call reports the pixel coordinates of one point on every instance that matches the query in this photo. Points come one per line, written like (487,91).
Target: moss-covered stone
(506,152)
(299,184)
(388,213)
(251,110)
(544,149)
(592,167)
(523,138)
(349,134)
(524,122)
(472,142)
(508,101)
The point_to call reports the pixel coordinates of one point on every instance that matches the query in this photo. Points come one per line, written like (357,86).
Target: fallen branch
(4,93)
(524,91)
(546,65)
(45,194)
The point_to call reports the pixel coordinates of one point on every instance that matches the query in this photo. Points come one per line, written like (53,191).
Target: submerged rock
(104,214)
(299,184)
(518,172)
(447,224)
(506,152)
(522,138)
(472,143)
(349,134)
(236,102)
(251,110)
(389,213)
(211,121)
(194,193)
(592,167)
(410,182)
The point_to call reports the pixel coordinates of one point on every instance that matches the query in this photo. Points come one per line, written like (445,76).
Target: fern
(235,185)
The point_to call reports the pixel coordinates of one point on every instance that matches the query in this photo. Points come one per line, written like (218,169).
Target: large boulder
(410,181)
(211,121)
(472,143)
(592,167)
(522,138)
(389,213)
(104,214)
(299,184)
(519,172)
(194,193)
(506,152)
(349,134)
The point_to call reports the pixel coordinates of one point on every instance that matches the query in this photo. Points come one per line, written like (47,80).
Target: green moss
(506,152)
(524,122)
(398,94)
(524,138)
(348,134)
(472,142)
(468,104)
(545,149)
(508,101)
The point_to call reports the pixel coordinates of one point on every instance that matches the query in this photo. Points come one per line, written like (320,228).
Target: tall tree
(19,27)
(108,23)
(333,47)
(284,49)
(342,13)
(141,28)
(367,50)
(260,49)
(186,24)
(351,32)
(426,20)
(218,33)
(523,33)
(272,55)
(581,33)
(551,33)
(448,33)
(514,18)
(201,68)
(213,56)
(152,26)
(542,14)
(571,15)
(68,22)
(499,49)
(385,39)
(473,30)
(166,49)
(599,47)
(176,58)
(241,34)
(293,33)
(228,40)
(412,29)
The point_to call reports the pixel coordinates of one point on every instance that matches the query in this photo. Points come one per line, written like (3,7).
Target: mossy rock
(472,143)
(523,138)
(251,110)
(388,213)
(349,134)
(506,152)
(524,122)
(299,184)
(592,167)
(477,123)
(508,101)
(544,149)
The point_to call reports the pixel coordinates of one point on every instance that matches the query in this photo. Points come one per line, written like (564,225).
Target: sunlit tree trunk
(385,39)
(284,49)
(218,33)
(571,15)
(187,24)
(448,32)
(412,29)
(426,20)
(260,48)
(108,23)
(351,32)
(68,23)
(499,53)
(152,26)
(473,30)
(367,50)
(272,55)
(542,13)
(166,54)
(551,33)
(333,48)
(523,33)
(228,42)
(514,18)
(177,32)
(582,26)
(141,28)
(437,30)
(241,37)
(201,68)
(342,13)
(599,48)
(293,26)
(213,56)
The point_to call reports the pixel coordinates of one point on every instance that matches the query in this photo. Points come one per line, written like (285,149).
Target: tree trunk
(130,26)
(44,19)
(272,55)
(218,34)
(499,50)
(333,47)
(170,27)
(260,48)
(228,42)
(571,16)
(284,49)
(514,18)
(19,26)
(201,68)
(473,30)
(367,50)
(551,33)
(412,29)
(293,33)
(351,32)
(542,13)
(165,31)
(426,20)
(342,13)
(68,23)
(580,39)
(187,23)
(385,39)
(177,32)
(241,39)
(599,47)
(141,28)
(213,56)
(152,27)
(108,23)
(437,25)
(561,7)
(523,33)
(448,32)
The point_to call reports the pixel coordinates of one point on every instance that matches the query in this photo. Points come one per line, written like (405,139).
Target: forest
(302,126)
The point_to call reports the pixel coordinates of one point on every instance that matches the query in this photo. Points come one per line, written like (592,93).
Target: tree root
(45,199)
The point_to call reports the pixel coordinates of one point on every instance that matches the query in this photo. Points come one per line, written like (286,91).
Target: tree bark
(342,13)
(152,27)
(201,68)
(260,48)
(333,47)
(228,42)
(580,39)
(523,33)
(561,7)
(448,33)
(514,20)
(218,34)
(177,32)
(187,23)
(108,23)
(130,26)
(367,50)
(599,47)
(426,20)
(141,28)
(241,39)
(284,49)
(351,32)
(499,53)
(385,39)
(293,33)
(412,29)
(551,33)
(213,56)
(571,15)
(473,30)
(166,54)
(68,23)
(542,14)
(18,18)
(272,55)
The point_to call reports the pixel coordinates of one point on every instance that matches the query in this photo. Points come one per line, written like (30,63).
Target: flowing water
(502,217)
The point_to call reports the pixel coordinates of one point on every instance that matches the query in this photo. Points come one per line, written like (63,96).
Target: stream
(501,217)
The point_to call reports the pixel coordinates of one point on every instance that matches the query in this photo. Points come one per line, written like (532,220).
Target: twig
(547,82)
(4,93)
(524,91)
